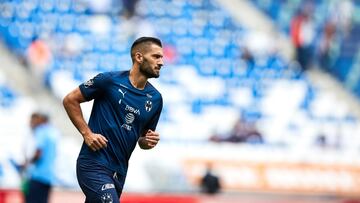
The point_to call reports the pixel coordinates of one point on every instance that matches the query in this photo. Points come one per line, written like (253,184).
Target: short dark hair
(42,115)
(143,41)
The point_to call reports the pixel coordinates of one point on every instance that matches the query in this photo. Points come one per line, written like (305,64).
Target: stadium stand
(211,78)
(210,72)
(343,15)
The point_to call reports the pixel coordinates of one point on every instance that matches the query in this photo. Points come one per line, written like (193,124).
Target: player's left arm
(149,139)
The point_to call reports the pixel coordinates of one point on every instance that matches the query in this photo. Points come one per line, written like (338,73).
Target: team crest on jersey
(148,106)
(89,83)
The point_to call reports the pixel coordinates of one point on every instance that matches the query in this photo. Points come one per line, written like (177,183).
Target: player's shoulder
(112,74)
(152,90)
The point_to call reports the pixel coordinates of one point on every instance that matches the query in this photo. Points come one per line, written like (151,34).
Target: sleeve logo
(89,83)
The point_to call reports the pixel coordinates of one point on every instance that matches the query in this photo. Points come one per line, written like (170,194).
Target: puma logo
(123,94)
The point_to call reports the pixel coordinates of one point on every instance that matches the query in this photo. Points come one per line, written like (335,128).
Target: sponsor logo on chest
(130,116)
(132,110)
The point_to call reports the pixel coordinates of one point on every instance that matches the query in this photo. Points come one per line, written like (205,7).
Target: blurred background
(264,93)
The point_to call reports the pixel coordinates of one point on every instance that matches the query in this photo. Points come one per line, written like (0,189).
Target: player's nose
(161,63)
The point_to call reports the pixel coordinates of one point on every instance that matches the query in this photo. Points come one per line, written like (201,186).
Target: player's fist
(95,141)
(149,140)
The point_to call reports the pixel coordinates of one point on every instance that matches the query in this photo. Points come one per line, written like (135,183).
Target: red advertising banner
(280,177)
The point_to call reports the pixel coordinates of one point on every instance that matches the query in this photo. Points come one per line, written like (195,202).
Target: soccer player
(125,111)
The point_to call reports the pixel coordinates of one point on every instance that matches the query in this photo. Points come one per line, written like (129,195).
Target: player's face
(34,121)
(152,62)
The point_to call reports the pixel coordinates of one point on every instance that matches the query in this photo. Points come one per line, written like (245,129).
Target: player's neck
(137,79)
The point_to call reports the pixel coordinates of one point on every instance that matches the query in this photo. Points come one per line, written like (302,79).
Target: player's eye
(157,56)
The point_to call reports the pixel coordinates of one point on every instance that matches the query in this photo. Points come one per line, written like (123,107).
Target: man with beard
(125,111)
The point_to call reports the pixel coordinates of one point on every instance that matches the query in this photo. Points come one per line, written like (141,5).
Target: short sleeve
(155,119)
(94,87)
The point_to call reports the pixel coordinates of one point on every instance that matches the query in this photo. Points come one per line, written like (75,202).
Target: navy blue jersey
(121,113)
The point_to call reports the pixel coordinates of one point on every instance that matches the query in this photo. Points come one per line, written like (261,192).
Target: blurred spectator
(302,34)
(123,8)
(329,141)
(133,25)
(243,131)
(40,168)
(210,183)
(38,56)
(129,7)
(136,27)
(343,12)
(170,54)
(325,43)
(321,141)
(248,57)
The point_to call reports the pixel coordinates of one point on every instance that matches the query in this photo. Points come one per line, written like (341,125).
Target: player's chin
(156,74)
(152,75)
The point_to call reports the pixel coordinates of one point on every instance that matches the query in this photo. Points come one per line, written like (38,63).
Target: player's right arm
(72,106)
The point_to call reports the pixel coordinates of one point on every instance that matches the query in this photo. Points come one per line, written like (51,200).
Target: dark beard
(147,71)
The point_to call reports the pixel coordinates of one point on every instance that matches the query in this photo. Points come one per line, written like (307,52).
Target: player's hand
(95,141)
(149,140)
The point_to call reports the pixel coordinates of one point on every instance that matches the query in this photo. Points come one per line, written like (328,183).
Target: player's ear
(139,57)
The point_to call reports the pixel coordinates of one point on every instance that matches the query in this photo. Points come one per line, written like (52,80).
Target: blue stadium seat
(204,36)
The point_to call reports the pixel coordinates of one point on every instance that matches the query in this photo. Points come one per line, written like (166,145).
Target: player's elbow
(73,98)
(69,100)
(66,100)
